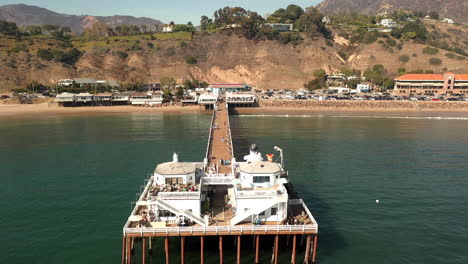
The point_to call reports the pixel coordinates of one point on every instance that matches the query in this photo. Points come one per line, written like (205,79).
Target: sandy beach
(272,107)
(46,109)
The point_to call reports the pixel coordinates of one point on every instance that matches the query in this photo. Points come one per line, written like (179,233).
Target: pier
(222,198)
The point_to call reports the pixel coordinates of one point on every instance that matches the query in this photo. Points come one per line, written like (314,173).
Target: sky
(179,11)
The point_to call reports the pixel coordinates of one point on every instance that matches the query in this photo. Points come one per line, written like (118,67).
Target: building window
(274,211)
(261,179)
(178,180)
(262,213)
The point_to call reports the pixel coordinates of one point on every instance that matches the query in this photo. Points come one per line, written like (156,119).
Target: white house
(363,88)
(339,89)
(281,27)
(326,20)
(448,20)
(387,22)
(167,28)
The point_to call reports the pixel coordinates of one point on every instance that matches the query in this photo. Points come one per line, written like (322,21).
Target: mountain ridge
(24,15)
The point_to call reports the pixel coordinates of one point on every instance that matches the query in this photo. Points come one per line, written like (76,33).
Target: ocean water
(67,183)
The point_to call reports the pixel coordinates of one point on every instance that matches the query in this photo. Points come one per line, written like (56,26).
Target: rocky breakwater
(363,105)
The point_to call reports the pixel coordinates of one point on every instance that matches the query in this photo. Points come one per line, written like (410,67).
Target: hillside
(24,15)
(210,57)
(455,9)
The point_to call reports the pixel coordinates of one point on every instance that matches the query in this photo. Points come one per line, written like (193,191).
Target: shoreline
(278,108)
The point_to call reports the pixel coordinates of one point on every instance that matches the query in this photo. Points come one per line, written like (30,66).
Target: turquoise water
(67,183)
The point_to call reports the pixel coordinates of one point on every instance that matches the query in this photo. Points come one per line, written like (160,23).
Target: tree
(433,15)
(66,30)
(168,83)
(179,93)
(294,12)
(205,22)
(320,73)
(167,95)
(50,28)
(311,23)
(144,28)
(34,30)
(189,24)
(8,28)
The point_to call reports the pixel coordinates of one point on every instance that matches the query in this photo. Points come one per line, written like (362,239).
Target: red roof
(429,77)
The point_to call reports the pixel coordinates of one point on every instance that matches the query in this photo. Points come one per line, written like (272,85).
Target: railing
(313,228)
(250,194)
(230,136)
(301,202)
(218,180)
(179,195)
(210,134)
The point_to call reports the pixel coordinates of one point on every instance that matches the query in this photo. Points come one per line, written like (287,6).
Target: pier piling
(143,250)
(202,250)
(293,257)
(166,248)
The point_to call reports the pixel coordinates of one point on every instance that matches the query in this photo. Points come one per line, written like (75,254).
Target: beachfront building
(281,26)
(148,98)
(190,97)
(65,99)
(120,98)
(220,89)
(84,99)
(240,99)
(439,84)
(103,98)
(207,99)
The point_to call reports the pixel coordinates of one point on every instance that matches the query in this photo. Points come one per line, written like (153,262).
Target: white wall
(244,204)
(161,179)
(193,205)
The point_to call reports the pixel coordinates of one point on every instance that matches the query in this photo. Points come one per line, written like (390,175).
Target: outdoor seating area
(173,188)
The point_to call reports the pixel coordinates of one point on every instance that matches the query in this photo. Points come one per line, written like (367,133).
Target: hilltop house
(82,82)
(326,20)
(167,28)
(448,21)
(389,23)
(281,27)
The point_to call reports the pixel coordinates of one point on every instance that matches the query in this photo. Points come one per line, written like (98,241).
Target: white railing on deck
(210,134)
(251,194)
(179,195)
(218,180)
(230,136)
(222,229)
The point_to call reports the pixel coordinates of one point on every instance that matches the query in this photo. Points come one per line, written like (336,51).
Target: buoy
(377,201)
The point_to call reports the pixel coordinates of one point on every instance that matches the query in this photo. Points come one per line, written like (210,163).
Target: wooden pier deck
(220,146)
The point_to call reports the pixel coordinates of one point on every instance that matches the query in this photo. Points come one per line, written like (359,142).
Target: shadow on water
(331,239)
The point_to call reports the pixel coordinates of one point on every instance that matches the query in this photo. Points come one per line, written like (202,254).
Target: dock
(212,198)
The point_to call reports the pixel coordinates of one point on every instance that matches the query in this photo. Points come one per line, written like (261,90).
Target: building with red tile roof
(440,84)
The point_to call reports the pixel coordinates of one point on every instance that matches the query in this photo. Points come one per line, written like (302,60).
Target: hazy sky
(179,11)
